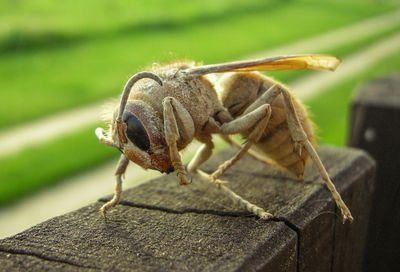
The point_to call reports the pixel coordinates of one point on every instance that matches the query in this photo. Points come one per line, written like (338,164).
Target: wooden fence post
(375,127)
(160,226)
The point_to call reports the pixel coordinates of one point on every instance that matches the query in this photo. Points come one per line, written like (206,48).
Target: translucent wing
(314,62)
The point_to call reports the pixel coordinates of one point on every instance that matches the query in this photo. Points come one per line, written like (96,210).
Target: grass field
(90,59)
(331,109)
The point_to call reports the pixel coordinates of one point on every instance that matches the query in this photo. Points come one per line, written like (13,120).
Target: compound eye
(135,131)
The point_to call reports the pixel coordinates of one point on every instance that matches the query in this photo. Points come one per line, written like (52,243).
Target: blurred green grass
(28,24)
(330,110)
(39,79)
(42,74)
(39,166)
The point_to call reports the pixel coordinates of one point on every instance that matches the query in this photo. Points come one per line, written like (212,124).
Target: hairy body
(197,95)
(161,111)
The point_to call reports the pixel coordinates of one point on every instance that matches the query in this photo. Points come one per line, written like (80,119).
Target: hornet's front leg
(121,168)
(177,136)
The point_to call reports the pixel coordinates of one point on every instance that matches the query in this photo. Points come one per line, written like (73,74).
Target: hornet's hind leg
(300,138)
(295,127)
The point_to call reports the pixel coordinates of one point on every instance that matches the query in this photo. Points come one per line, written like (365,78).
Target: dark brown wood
(323,240)
(162,227)
(375,127)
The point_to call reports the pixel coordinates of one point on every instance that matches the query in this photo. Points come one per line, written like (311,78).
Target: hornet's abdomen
(237,91)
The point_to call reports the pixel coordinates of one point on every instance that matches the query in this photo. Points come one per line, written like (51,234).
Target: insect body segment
(163,110)
(237,91)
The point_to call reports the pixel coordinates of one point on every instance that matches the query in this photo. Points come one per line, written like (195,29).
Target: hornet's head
(137,132)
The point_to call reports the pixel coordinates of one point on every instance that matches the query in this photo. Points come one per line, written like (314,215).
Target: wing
(314,62)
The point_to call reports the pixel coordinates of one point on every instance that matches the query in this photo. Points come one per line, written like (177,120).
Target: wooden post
(375,127)
(160,226)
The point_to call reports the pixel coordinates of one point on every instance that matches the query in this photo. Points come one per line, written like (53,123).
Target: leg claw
(105,208)
(266,216)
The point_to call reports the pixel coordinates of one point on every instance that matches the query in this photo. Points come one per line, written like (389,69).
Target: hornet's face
(144,142)
(137,131)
